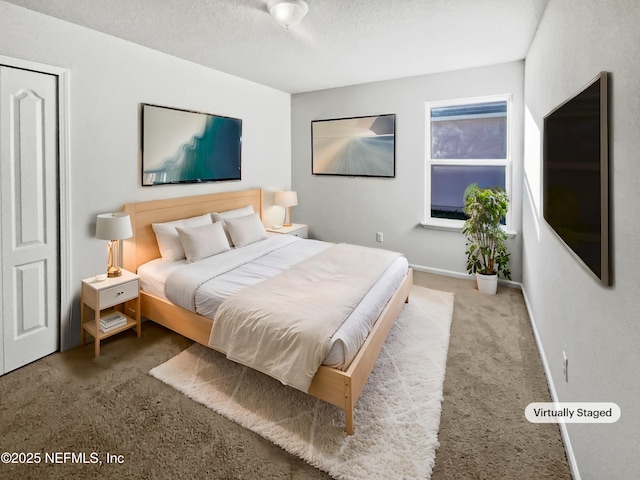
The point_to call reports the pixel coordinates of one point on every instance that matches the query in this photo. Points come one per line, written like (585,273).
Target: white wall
(598,327)
(354,209)
(109,78)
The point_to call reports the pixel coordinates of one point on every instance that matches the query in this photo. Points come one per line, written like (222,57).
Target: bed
(340,387)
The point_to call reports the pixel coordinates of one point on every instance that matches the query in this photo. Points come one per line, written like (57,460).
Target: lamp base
(114,272)
(287,218)
(113,264)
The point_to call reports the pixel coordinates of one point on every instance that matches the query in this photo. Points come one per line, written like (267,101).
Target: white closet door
(29,216)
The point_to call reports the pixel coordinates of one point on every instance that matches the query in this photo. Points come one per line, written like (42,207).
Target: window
(467,142)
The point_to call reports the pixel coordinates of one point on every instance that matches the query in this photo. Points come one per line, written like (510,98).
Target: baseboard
(573,465)
(438,271)
(462,275)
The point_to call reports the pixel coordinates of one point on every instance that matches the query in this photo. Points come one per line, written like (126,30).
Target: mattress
(275,254)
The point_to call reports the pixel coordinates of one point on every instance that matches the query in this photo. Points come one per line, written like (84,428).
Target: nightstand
(103,296)
(297,230)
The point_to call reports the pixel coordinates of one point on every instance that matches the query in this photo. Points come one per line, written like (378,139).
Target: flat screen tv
(576,176)
(182,146)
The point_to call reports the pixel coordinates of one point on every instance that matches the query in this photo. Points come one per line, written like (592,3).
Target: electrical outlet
(565,366)
(379,237)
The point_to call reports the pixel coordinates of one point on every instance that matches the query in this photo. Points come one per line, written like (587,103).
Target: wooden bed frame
(340,388)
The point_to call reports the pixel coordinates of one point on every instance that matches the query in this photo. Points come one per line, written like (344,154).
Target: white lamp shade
(287,12)
(286,199)
(113,226)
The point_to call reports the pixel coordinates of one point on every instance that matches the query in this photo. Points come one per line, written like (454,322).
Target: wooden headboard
(142,247)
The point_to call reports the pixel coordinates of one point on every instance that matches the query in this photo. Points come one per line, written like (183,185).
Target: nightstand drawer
(301,232)
(297,230)
(118,294)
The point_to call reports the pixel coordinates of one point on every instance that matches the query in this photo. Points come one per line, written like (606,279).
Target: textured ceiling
(339,42)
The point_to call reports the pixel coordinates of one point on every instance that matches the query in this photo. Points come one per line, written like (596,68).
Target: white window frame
(452,224)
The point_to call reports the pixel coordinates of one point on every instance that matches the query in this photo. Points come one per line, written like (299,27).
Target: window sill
(455,226)
(443,224)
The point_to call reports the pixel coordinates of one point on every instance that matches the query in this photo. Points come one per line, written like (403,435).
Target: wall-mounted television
(576,175)
(183,146)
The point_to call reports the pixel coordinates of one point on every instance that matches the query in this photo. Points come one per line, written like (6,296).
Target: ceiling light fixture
(287,12)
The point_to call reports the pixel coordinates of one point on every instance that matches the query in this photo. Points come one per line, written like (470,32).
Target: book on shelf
(104,329)
(111,321)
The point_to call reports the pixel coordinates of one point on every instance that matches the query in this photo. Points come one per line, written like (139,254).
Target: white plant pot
(487,284)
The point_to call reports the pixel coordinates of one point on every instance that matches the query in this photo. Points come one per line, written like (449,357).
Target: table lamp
(286,199)
(113,227)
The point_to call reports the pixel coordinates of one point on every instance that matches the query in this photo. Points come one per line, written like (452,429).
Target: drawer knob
(120,293)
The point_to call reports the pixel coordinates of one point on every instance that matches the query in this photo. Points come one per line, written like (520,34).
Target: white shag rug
(397,416)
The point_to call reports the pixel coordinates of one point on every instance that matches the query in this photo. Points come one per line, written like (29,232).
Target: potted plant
(486,252)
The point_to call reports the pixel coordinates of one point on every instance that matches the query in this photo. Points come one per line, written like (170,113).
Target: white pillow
(235,213)
(246,230)
(167,237)
(203,242)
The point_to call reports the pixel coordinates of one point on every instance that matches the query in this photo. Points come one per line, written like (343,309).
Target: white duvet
(240,268)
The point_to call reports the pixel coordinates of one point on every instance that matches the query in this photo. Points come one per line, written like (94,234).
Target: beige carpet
(397,416)
(73,402)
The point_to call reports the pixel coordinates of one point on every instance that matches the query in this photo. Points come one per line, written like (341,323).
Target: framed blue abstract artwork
(357,146)
(182,146)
